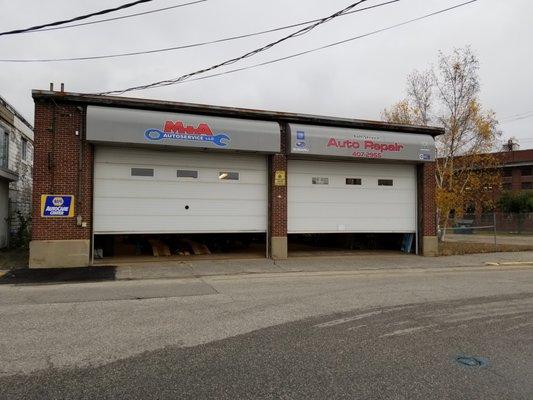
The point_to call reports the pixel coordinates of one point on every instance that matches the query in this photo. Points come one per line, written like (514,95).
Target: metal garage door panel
(126,204)
(338,207)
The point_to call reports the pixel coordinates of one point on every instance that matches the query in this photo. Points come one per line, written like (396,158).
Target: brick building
(517,169)
(112,170)
(16,160)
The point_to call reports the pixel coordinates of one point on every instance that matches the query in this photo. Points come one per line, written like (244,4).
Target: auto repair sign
(55,205)
(358,143)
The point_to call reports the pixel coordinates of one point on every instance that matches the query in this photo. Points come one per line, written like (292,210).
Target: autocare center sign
(57,205)
(359,143)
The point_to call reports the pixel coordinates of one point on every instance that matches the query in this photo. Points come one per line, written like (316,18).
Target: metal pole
(494,224)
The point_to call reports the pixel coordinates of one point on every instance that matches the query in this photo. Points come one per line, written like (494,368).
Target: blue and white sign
(179,130)
(54,205)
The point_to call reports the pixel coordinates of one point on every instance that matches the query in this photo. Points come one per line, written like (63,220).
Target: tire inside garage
(350,206)
(177,201)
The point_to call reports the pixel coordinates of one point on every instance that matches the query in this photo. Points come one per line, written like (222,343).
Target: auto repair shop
(116,176)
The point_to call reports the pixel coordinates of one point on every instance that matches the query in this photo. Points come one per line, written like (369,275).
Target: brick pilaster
(56,169)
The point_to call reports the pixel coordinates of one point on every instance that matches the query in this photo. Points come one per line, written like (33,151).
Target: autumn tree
(448,95)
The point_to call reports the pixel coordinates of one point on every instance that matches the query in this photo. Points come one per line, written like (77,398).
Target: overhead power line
(185,46)
(299,32)
(78,18)
(517,117)
(99,21)
(308,51)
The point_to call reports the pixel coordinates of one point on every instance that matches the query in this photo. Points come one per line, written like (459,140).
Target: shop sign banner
(55,205)
(142,127)
(359,143)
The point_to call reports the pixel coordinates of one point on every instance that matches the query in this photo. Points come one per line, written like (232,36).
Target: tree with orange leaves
(448,96)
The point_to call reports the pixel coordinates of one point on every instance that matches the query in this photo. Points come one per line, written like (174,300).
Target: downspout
(81,135)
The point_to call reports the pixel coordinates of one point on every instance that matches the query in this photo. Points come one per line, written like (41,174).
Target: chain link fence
(495,229)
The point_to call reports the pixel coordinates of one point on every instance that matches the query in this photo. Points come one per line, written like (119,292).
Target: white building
(16,162)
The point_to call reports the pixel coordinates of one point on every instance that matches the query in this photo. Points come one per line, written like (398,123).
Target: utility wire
(185,46)
(117,18)
(81,17)
(299,32)
(517,117)
(313,50)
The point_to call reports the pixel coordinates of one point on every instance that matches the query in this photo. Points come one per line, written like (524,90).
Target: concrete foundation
(278,247)
(59,253)
(430,246)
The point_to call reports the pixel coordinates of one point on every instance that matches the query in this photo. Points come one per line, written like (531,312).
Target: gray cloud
(358,79)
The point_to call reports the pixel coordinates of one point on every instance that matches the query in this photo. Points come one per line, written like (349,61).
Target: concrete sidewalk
(169,269)
(194,269)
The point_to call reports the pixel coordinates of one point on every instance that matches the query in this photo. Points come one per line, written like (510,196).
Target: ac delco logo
(176,130)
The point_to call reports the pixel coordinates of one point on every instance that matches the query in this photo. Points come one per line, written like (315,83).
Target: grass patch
(457,248)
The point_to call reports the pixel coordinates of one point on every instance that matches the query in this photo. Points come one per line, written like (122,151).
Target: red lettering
(332,142)
(350,144)
(178,127)
(369,144)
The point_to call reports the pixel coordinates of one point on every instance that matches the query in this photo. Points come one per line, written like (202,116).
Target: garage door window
(385,182)
(142,172)
(353,181)
(318,180)
(228,176)
(187,173)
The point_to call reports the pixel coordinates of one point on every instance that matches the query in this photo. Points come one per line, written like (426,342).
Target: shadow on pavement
(58,275)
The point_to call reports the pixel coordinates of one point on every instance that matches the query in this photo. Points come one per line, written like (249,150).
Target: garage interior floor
(253,252)
(328,245)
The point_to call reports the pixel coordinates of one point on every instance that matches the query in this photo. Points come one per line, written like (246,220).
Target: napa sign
(54,205)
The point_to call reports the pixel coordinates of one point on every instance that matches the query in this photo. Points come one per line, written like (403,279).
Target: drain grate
(471,361)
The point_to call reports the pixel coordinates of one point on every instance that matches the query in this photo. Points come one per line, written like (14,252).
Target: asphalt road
(394,336)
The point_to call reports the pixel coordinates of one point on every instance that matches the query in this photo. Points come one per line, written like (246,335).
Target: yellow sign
(57,205)
(279,178)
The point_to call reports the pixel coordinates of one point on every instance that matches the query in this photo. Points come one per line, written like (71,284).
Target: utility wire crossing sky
(174,37)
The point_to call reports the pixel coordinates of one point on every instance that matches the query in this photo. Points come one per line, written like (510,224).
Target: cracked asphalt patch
(402,352)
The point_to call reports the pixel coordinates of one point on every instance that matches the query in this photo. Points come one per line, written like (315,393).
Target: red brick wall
(426,200)
(56,170)
(61,177)
(278,194)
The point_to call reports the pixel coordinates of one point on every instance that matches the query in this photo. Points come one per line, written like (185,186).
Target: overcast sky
(355,80)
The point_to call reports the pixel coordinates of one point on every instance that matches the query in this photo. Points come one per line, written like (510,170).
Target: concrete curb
(294,273)
(509,263)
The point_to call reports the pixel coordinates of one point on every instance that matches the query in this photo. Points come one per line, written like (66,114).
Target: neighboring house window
(507,172)
(4,148)
(527,185)
(526,171)
(24,149)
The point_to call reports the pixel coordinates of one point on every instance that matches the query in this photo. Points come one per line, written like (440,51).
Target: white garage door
(327,197)
(147,191)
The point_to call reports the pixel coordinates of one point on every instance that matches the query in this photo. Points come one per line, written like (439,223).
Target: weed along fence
(494,231)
